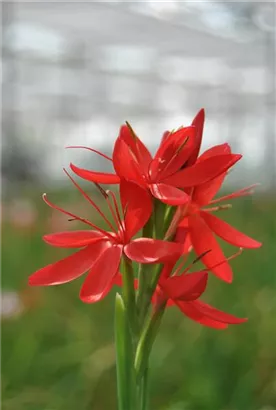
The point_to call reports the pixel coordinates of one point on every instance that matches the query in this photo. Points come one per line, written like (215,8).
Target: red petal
(190,309)
(217,315)
(73,239)
(138,148)
(204,193)
(169,194)
(137,205)
(99,281)
(146,250)
(93,176)
(167,270)
(125,163)
(186,287)
(202,171)
(69,268)
(182,236)
(172,153)
(220,149)
(165,136)
(203,240)
(228,233)
(198,122)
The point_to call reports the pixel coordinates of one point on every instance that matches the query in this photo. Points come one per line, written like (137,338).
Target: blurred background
(72,74)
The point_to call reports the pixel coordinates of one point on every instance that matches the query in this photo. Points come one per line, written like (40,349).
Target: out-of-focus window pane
(203,70)
(123,58)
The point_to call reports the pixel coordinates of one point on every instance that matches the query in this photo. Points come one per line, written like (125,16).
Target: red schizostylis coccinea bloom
(102,250)
(170,171)
(199,226)
(183,290)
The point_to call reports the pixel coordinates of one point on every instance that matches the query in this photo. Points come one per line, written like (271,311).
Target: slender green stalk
(144,274)
(146,340)
(160,210)
(126,385)
(129,296)
(136,327)
(143,391)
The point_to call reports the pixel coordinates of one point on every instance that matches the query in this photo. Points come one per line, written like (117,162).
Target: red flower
(171,168)
(102,250)
(184,291)
(201,225)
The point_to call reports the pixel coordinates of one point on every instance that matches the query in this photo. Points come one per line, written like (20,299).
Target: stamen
(178,216)
(235,255)
(91,149)
(226,260)
(218,208)
(200,257)
(180,267)
(117,218)
(105,195)
(242,192)
(102,191)
(194,262)
(177,271)
(90,201)
(75,217)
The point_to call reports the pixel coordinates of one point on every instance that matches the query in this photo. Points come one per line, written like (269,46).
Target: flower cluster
(166,197)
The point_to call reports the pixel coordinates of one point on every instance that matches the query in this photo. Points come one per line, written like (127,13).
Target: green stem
(146,340)
(160,210)
(126,385)
(143,391)
(129,296)
(144,273)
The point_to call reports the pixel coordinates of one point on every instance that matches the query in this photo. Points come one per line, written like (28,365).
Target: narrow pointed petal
(217,315)
(159,296)
(73,239)
(165,136)
(140,151)
(204,193)
(198,123)
(146,250)
(125,163)
(220,149)
(202,171)
(191,310)
(182,236)
(173,153)
(137,205)
(185,287)
(167,270)
(203,241)
(169,194)
(228,233)
(68,268)
(99,280)
(93,176)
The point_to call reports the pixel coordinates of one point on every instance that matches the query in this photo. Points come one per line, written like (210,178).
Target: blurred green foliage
(58,354)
